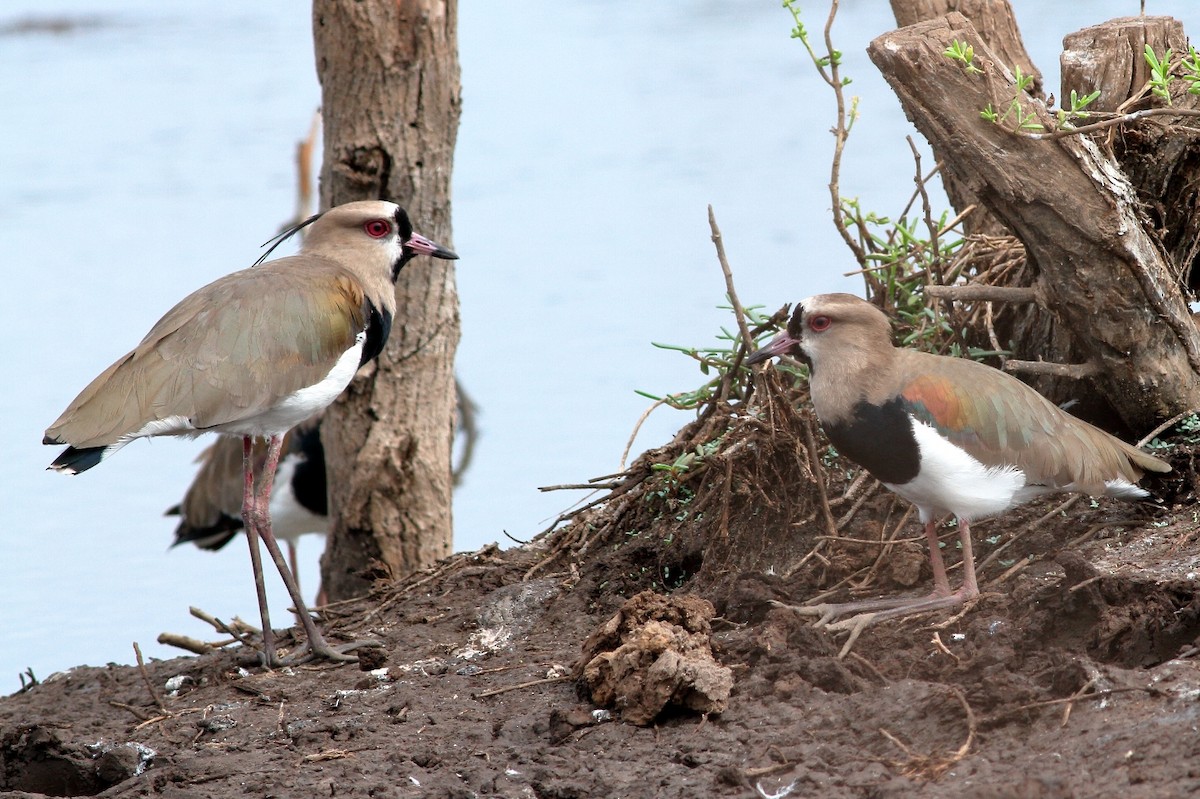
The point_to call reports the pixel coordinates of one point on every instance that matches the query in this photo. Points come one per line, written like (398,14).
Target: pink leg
(316,642)
(251,516)
(293,561)
(941,585)
(970,588)
(878,609)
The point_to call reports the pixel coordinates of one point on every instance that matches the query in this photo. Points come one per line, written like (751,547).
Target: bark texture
(1104,276)
(997,26)
(1109,57)
(1029,331)
(391,99)
(1160,156)
(994,22)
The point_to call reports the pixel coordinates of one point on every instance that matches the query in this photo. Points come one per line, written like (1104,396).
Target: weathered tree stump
(998,27)
(1104,275)
(993,20)
(1160,156)
(1108,58)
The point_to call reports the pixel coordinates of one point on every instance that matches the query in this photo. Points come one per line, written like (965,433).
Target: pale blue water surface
(151,151)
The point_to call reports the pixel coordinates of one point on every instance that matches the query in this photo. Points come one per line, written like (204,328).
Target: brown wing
(1001,421)
(236,346)
(213,502)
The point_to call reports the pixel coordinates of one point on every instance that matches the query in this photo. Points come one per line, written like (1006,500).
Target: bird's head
(368,230)
(828,329)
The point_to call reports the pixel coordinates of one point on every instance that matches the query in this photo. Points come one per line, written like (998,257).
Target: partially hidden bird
(252,355)
(210,515)
(952,436)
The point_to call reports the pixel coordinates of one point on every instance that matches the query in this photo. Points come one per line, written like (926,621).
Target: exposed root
(724,489)
(932,767)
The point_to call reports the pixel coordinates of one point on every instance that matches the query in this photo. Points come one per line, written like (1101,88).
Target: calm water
(150,151)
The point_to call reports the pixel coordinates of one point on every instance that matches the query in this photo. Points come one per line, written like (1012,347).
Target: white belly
(275,420)
(290,519)
(951,481)
(302,404)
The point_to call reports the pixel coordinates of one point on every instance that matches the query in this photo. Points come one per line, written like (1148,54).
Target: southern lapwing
(210,515)
(950,435)
(252,355)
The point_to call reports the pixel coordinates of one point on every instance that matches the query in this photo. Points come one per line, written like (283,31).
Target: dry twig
(810,443)
(931,767)
(975,292)
(1057,510)
(158,702)
(1167,425)
(520,685)
(636,429)
(1152,691)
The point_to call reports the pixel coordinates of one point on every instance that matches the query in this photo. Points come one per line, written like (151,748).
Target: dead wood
(1161,157)
(1104,276)
(996,24)
(757,502)
(391,99)
(994,21)
(1108,58)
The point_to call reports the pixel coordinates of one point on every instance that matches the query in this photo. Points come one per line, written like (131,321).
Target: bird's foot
(869,611)
(305,652)
(855,625)
(827,612)
(320,650)
(967,606)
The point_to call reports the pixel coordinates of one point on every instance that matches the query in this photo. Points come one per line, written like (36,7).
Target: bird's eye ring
(819,323)
(377,228)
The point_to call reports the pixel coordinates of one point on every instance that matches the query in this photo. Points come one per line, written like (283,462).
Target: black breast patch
(379,326)
(880,439)
(308,480)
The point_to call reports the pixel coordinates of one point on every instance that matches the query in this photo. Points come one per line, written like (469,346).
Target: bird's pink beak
(423,246)
(780,345)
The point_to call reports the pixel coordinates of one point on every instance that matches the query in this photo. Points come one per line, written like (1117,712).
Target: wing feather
(232,348)
(1000,421)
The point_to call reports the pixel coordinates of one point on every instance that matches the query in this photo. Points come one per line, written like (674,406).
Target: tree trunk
(391,100)
(1029,332)
(998,27)
(1109,57)
(1101,273)
(1161,157)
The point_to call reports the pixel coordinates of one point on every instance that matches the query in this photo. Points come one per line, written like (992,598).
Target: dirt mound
(655,653)
(1074,675)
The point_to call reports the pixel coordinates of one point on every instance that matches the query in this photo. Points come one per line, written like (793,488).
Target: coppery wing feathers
(1001,421)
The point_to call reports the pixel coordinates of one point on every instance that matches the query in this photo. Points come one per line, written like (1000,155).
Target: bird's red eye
(377,228)
(819,323)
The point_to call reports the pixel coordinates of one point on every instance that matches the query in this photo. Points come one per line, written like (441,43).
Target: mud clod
(42,760)
(654,653)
